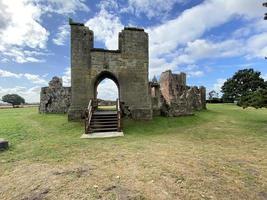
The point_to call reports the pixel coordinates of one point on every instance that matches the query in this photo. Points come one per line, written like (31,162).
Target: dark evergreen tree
(13,99)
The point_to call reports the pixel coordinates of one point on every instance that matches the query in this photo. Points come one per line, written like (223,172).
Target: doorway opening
(106,91)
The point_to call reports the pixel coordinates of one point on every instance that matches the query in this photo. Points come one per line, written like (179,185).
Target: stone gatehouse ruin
(128,68)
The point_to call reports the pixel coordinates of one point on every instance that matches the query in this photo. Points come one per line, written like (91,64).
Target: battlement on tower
(130,39)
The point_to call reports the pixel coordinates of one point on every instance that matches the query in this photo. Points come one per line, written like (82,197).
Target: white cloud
(195,73)
(21,56)
(3,16)
(218,85)
(200,49)
(4,73)
(30,95)
(22,30)
(106,27)
(187,28)
(110,5)
(107,90)
(250,47)
(62,6)
(191,70)
(151,8)
(178,41)
(33,78)
(66,77)
(195,51)
(257,45)
(62,35)
(254,27)
(264,76)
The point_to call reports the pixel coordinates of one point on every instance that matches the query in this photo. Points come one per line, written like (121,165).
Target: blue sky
(207,39)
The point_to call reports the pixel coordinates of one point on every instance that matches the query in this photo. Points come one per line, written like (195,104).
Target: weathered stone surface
(3,144)
(155,97)
(55,98)
(177,98)
(127,67)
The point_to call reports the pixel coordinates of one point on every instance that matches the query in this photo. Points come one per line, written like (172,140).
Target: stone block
(142,114)
(3,144)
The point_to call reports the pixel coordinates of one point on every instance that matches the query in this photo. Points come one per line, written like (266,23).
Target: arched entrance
(107,90)
(127,67)
(103,115)
(111,78)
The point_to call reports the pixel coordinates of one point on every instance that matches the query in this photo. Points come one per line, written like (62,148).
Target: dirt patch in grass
(37,195)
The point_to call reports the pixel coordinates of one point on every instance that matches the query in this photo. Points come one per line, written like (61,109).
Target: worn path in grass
(220,153)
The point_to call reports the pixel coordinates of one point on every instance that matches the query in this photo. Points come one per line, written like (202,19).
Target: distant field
(24,106)
(106,107)
(220,153)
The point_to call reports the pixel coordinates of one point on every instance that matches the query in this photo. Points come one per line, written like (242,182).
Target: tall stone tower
(127,67)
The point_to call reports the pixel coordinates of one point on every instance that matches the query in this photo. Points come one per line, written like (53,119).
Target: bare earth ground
(216,154)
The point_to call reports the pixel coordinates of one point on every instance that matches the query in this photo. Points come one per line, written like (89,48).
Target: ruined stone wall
(172,85)
(179,99)
(55,98)
(155,97)
(127,67)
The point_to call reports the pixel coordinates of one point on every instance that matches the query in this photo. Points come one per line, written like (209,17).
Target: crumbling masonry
(128,68)
(177,98)
(55,98)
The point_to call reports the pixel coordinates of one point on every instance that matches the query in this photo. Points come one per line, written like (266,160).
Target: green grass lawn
(220,153)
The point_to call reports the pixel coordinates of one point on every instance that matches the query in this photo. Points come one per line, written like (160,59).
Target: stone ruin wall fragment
(55,98)
(177,98)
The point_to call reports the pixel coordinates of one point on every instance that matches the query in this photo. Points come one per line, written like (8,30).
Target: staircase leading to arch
(104,121)
(99,121)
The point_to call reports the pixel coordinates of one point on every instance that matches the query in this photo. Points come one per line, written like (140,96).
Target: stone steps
(104,121)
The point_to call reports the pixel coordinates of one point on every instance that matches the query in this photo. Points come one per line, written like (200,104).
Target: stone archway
(127,67)
(103,75)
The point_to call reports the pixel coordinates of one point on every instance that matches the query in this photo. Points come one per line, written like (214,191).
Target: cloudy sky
(207,39)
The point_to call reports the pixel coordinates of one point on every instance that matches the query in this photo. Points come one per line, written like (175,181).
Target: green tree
(213,94)
(13,99)
(243,83)
(257,99)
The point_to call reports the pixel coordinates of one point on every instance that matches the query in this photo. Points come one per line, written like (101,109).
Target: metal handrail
(88,116)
